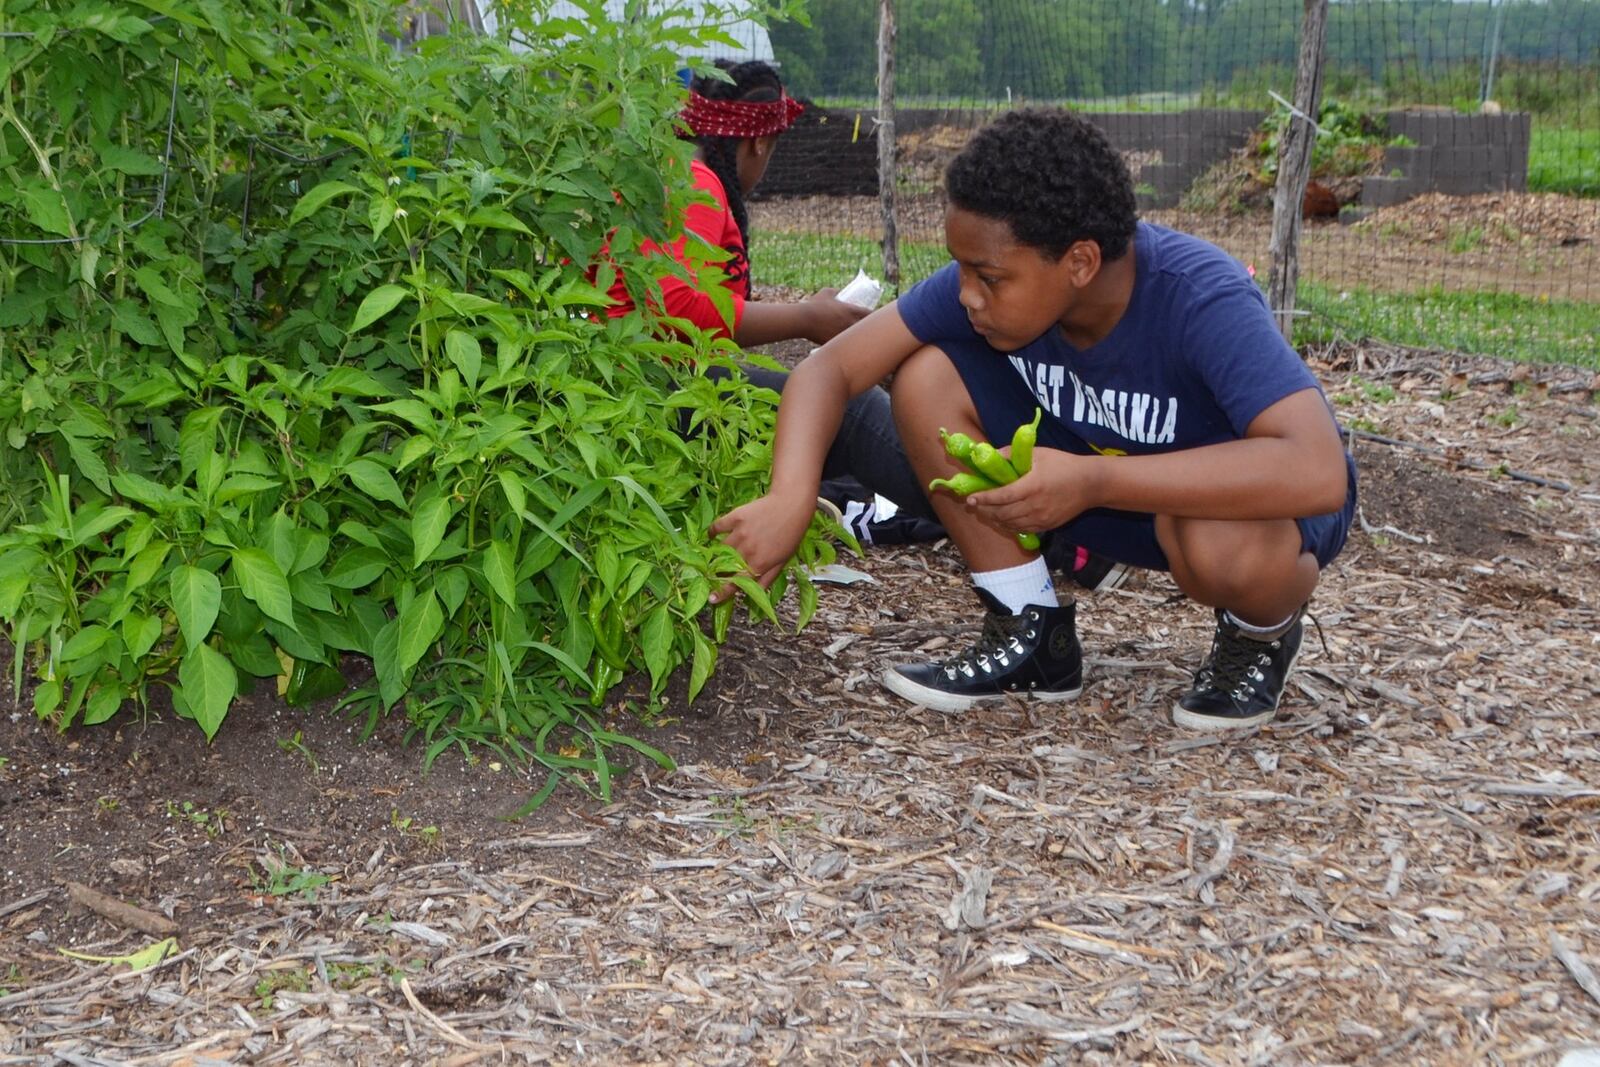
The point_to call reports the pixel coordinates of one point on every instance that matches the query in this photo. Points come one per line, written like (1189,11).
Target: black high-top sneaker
(1033,654)
(1087,570)
(1241,681)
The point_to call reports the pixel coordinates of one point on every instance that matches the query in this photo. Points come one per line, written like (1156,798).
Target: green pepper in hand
(991,464)
(1022,443)
(963,484)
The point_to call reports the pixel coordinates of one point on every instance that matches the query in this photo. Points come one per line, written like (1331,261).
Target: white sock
(1261,633)
(1017,587)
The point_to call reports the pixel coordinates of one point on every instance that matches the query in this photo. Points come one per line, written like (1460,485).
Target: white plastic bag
(862,291)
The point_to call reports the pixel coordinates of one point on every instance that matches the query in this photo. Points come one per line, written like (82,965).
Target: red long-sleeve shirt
(715,223)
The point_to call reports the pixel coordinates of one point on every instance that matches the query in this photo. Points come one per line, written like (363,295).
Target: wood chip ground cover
(1402,868)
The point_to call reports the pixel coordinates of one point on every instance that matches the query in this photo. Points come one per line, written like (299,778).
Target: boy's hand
(827,316)
(1058,489)
(765,532)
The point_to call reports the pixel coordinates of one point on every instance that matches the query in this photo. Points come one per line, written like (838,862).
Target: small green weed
(1509,417)
(214,823)
(731,814)
(270,985)
(409,827)
(107,805)
(346,976)
(12,982)
(297,745)
(1365,425)
(1376,392)
(284,879)
(1464,238)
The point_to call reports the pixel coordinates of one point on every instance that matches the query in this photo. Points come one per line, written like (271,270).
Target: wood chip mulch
(1403,868)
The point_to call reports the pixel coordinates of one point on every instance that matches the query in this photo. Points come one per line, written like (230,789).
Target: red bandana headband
(739,118)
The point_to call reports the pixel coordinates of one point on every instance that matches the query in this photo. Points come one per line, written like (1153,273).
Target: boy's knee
(1227,562)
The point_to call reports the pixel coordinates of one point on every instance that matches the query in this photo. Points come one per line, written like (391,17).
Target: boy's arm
(1290,464)
(767,530)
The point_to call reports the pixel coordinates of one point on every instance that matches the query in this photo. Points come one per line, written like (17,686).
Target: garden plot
(1402,868)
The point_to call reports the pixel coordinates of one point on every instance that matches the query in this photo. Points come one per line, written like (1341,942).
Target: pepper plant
(304,362)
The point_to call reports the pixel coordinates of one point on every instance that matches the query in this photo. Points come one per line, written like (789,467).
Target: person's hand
(765,532)
(1058,489)
(827,316)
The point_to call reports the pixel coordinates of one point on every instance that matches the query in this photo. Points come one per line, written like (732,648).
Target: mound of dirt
(1500,220)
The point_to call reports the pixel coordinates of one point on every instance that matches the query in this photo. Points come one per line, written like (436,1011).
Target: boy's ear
(1082,262)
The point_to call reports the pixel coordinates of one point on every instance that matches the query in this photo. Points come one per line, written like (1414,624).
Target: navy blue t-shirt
(1194,359)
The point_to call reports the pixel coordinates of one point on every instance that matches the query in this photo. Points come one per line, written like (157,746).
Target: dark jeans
(866,456)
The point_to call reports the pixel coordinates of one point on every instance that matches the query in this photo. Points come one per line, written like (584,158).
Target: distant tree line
(1054,49)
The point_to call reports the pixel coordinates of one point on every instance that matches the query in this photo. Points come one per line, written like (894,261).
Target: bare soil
(1404,867)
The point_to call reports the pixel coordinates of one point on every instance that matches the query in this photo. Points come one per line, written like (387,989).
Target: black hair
(1051,176)
(757,82)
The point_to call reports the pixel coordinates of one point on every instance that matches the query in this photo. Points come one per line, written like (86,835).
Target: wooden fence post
(1294,165)
(886,145)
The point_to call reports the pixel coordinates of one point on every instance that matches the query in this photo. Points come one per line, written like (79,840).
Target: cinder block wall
(1455,154)
(829,154)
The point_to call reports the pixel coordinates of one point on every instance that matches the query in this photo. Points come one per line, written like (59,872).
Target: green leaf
(428,525)
(147,564)
(705,661)
(380,213)
(373,479)
(318,197)
(499,567)
(357,567)
(209,684)
(379,302)
(196,598)
(103,703)
(46,209)
(142,960)
(262,581)
(155,287)
(129,160)
(497,218)
(655,638)
(85,642)
(465,352)
(140,633)
(94,521)
(89,463)
(386,663)
(420,623)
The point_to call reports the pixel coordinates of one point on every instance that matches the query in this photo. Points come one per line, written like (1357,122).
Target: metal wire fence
(1455,196)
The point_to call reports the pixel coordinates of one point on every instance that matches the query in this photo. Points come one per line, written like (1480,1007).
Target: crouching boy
(1180,432)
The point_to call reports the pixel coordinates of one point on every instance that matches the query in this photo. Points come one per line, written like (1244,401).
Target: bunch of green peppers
(988,469)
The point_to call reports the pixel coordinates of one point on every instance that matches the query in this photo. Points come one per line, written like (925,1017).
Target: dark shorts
(1004,402)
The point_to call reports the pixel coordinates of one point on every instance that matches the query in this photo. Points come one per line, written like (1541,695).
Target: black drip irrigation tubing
(1464,461)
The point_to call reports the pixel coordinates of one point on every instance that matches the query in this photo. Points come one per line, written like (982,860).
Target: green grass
(1564,161)
(1497,324)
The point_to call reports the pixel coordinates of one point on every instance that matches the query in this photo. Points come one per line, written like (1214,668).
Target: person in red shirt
(736,125)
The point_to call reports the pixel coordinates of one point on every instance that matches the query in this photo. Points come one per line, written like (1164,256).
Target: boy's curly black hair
(1052,177)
